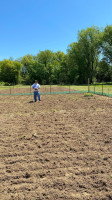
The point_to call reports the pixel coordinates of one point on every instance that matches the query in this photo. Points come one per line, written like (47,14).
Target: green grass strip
(64,92)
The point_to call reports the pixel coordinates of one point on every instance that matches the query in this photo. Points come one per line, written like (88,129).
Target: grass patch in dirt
(88,95)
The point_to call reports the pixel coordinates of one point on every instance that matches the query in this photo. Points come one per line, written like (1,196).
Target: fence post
(30,88)
(108,92)
(10,89)
(13,88)
(50,88)
(94,89)
(88,85)
(69,89)
(102,89)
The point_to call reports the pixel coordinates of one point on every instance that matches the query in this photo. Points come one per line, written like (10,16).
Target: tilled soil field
(56,149)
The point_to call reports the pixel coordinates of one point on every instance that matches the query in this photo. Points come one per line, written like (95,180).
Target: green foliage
(89,45)
(88,94)
(35,71)
(107,44)
(2,83)
(10,71)
(53,110)
(104,72)
(45,57)
(89,57)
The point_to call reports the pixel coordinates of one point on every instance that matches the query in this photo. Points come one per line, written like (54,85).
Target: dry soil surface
(57,149)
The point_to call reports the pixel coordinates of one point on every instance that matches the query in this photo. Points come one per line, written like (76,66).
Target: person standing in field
(36,88)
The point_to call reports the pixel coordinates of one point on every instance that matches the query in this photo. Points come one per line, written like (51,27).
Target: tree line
(89,57)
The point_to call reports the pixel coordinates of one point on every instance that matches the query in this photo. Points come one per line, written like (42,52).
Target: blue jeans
(36,93)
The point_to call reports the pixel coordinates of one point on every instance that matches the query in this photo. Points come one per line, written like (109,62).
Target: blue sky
(28,26)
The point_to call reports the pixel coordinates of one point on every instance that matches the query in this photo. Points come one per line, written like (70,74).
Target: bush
(2,83)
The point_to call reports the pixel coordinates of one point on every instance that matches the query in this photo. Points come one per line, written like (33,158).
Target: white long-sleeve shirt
(35,86)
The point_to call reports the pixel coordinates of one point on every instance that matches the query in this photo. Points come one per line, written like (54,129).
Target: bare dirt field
(56,149)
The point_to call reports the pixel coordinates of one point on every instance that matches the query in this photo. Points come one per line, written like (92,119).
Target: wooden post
(69,89)
(10,89)
(94,89)
(102,89)
(30,88)
(50,88)
(88,85)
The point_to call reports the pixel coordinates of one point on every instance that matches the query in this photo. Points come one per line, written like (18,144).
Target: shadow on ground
(31,102)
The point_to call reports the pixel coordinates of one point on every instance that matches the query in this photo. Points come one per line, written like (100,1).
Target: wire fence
(27,89)
(100,89)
